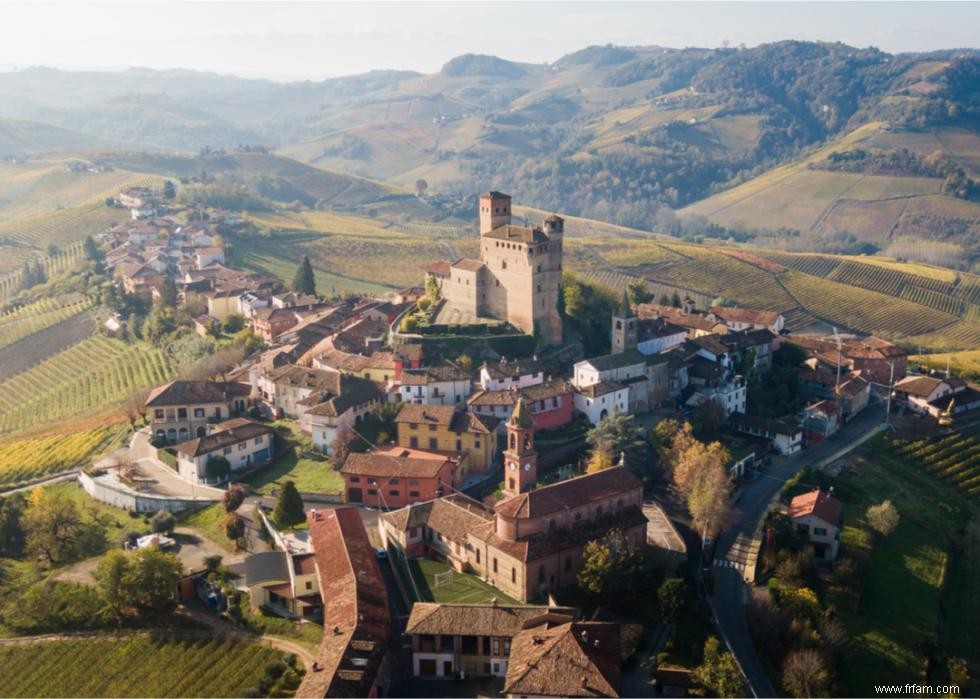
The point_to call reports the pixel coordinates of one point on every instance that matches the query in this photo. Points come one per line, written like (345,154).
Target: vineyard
(92,374)
(34,317)
(23,459)
(954,458)
(63,260)
(136,666)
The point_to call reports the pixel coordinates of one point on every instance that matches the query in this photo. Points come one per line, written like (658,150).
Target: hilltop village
(506,513)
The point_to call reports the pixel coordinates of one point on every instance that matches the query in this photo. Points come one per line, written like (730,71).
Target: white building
(438,385)
(504,375)
(602,399)
(242,442)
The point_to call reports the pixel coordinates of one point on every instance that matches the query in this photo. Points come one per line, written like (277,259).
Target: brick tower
(520,459)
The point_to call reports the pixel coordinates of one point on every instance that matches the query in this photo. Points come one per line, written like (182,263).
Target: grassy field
(93,374)
(208,520)
(464,588)
(924,572)
(140,666)
(311,475)
(29,458)
(959,363)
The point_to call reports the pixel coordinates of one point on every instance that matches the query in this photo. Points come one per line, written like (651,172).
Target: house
(269,323)
(140,277)
(785,436)
(293,391)
(854,394)
(878,360)
(696,324)
(380,367)
(647,335)
(960,402)
(204,256)
(629,368)
(352,658)
(749,319)
(820,516)
(394,476)
(552,404)
(560,657)
(240,441)
(287,582)
(473,639)
(409,295)
(340,403)
(436,528)
(599,400)
(518,373)
(918,391)
(821,420)
(436,385)
(181,409)
(449,429)
(251,301)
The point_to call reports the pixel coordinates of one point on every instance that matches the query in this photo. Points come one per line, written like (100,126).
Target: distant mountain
(21,137)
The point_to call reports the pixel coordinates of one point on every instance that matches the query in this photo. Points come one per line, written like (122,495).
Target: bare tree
(805,674)
(882,518)
(135,406)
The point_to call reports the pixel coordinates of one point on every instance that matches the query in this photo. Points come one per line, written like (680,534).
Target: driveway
(730,590)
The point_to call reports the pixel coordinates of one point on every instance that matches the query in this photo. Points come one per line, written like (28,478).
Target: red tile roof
(397,462)
(817,503)
(570,493)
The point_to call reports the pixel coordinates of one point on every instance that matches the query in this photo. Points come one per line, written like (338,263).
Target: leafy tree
(589,307)
(805,674)
(674,596)
(718,671)
(598,566)
(12,534)
(234,322)
(304,282)
(638,292)
(233,498)
(163,522)
(612,569)
(882,518)
(601,458)
(52,521)
(709,417)
(217,468)
(111,576)
(234,525)
(675,300)
(212,563)
(169,191)
(152,581)
(701,477)
(618,434)
(289,506)
(421,186)
(664,300)
(168,294)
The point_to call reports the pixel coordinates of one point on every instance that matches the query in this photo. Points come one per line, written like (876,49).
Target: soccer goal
(440,579)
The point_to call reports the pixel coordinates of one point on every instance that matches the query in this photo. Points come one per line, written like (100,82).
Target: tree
(163,522)
(169,191)
(675,300)
(674,596)
(92,251)
(12,535)
(217,468)
(234,525)
(111,576)
(421,186)
(152,581)
(601,458)
(233,498)
(135,406)
(51,522)
(638,292)
(805,674)
(612,569)
(882,518)
(618,434)
(709,417)
(718,671)
(40,276)
(168,294)
(304,282)
(52,250)
(233,323)
(289,506)
(664,300)
(212,563)
(598,563)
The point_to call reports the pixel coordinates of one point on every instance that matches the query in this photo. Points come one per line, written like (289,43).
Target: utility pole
(891,380)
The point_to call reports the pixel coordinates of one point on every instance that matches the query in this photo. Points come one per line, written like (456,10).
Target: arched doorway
(201,431)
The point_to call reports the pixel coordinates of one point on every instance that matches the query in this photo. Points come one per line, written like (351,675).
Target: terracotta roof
(853,386)
(440,268)
(575,659)
(676,315)
(554,217)
(493,194)
(468,265)
(600,389)
(453,516)
(817,503)
(397,462)
(519,234)
(447,416)
(513,369)
(430,618)
(432,374)
(356,619)
(653,328)
(226,434)
(873,348)
(918,385)
(341,393)
(304,563)
(349,361)
(195,392)
(541,391)
(573,492)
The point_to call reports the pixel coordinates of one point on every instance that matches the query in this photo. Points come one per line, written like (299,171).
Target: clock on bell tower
(520,459)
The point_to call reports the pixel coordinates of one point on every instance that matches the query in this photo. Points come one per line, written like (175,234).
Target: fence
(120,496)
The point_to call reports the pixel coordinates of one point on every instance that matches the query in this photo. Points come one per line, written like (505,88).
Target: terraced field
(28,458)
(93,374)
(134,666)
(13,257)
(34,317)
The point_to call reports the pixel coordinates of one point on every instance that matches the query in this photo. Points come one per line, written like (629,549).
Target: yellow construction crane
(946,416)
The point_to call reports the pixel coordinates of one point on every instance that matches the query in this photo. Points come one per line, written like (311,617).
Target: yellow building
(446,428)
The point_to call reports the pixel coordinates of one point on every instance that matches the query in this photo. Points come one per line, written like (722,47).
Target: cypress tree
(304,281)
(289,507)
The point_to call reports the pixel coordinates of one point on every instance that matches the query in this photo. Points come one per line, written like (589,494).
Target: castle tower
(520,459)
(494,211)
(554,227)
(623,327)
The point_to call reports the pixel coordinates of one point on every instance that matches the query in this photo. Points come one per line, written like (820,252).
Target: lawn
(464,588)
(208,521)
(904,596)
(135,666)
(311,475)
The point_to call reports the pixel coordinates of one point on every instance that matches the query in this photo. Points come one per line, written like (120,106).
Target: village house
(600,400)
(473,639)
(820,516)
(785,436)
(879,361)
(685,317)
(285,582)
(450,429)
(646,336)
(919,392)
(381,367)
(435,385)
(559,657)
(394,476)
(821,420)
(340,403)
(180,410)
(646,378)
(504,375)
(551,404)
(436,528)
(352,659)
(241,442)
(854,395)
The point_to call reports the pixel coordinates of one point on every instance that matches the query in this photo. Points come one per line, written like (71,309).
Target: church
(517,279)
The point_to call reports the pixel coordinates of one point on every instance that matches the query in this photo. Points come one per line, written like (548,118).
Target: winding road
(733,552)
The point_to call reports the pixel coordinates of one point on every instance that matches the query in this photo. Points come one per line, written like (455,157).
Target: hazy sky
(286,40)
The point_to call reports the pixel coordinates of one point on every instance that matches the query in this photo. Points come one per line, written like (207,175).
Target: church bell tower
(623,335)
(520,459)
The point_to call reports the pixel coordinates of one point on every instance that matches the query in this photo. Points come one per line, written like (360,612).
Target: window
(413,442)
(513,575)
(413,426)
(459,445)
(413,481)
(506,646)
(503,265)
(539,268)
(259,439)
(494,565)
(805,528)
(309,585)
(476,444)
(432,428)
(355,479)
(478,555)
(393,481)
(241,446)
(158,413)
(182,413)
(372,481)
(226,450)
(393,493)
(539,287)
(433,443)
(496,646)
(820,531)
(413,493)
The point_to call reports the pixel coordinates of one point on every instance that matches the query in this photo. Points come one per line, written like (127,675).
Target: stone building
(518,276)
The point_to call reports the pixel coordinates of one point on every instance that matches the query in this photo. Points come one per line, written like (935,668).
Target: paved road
(730,590)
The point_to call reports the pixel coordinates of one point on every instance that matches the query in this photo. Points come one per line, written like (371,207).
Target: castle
(517,278)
